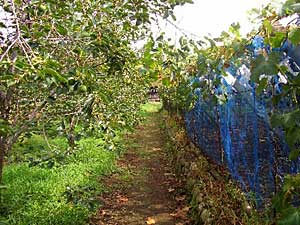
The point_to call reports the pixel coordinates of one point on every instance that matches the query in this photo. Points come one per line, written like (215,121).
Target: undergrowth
(61,194)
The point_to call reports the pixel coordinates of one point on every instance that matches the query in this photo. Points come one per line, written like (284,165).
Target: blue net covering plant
(237,134)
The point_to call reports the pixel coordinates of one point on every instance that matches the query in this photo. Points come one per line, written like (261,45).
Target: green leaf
(6,77)
(276,120)
(291,119)
(296,7)
(166,82)
(276,99)
(3,187)
(55,74)
(160,37)
(166,15)
(5,127)
(83,88)
(277,39)
(293,137)
(296,80)
(211,41)
(11,83)
(173,16)
(4,222)
(268,26)
(294,36)
(294,154)
(291,216)
(104,97)
(264,65)
(61,30)
(262,85)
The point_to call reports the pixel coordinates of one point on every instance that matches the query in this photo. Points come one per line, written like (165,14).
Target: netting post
(276,149)
(219,136)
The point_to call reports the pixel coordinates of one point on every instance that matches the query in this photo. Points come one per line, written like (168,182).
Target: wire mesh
(237,134)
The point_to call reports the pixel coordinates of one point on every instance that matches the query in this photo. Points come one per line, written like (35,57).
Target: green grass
(36,147)
(151,107)
(63,194)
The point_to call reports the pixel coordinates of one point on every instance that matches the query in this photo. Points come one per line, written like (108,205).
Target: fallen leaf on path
(102,212)
(169,174)
(186,209)
(150,221)
(122,199)
(171,189)
(181,213)
(180,198)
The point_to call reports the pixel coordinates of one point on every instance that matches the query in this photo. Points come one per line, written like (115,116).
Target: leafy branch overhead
(72,63)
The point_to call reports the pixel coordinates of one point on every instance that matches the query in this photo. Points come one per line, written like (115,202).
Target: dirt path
(144,190)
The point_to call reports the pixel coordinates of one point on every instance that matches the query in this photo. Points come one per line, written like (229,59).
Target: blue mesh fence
(237,134)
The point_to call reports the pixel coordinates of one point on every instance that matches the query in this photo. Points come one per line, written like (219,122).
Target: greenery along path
(144,190)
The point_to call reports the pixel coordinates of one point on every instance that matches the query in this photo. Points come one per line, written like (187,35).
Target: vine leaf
(277,39)
(262,85)
(294,36)
(294,154)
(291,217)
(265,65)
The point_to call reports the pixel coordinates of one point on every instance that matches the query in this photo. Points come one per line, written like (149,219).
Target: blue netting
(237,134)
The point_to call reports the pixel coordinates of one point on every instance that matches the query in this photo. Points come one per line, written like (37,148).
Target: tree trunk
(2,154)
(4,112)
(71,136)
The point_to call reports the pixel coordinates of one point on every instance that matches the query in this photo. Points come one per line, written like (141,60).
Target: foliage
(194,64)
(97,85)
(285,200)
(172,67)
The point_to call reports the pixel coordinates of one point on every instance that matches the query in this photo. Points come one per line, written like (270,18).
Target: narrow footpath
(143,190)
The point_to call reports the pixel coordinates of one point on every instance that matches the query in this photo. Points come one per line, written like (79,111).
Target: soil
(143,190)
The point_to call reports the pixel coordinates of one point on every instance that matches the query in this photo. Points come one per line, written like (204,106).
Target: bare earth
(143,190)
